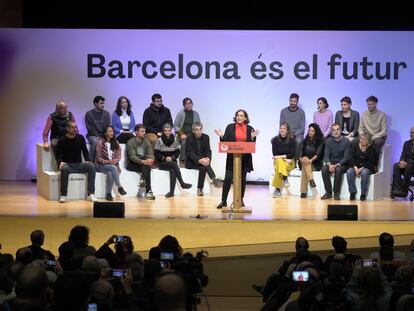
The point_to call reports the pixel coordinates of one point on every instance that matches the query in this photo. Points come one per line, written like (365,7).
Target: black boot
(222,204)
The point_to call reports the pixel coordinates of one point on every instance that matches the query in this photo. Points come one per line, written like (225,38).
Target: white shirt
(125,120)
(108,147)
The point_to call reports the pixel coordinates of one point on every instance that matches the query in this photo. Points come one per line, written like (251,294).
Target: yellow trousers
(282,168)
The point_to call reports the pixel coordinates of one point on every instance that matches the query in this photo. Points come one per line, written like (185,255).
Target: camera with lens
(191,269)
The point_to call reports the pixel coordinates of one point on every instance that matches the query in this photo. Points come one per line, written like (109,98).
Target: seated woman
(363,162)
(283,148)
(108,155)
(167,150)
(310,158)
(123,120)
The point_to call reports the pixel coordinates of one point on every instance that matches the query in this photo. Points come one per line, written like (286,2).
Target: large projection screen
(220,70)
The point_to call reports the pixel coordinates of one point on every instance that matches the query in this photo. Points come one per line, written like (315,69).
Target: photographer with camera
(190,268)
(123,247)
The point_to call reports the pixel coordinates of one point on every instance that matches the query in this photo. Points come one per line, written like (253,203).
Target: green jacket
(139,149)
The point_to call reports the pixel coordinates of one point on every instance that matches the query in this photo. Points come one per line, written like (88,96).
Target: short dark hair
(155,96)
(301,243)
(245,114)
(372,98)
(187,99)
(294,95)
(346,99)
(97,99)
(386,239)
(139,126)
(324,100)
(37,237)
(339,244)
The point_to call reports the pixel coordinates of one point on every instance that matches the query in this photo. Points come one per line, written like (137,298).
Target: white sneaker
(276,193)
(149,195)
(62,199)
(92,198)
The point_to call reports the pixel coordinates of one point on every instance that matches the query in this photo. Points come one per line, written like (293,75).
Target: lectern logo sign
(224,147)
(237,147)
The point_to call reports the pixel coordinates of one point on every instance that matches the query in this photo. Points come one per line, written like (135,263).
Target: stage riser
(223,238)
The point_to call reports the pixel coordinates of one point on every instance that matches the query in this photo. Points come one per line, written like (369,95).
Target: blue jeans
(351,176)
(69,168)
(92,147)
(112,175)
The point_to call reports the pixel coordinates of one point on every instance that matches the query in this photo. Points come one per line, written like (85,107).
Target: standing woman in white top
(123,120)
(108,155)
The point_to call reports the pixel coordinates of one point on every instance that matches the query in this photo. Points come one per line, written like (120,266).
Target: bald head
(90,264)
(170,292)
(61,108)
(32,284)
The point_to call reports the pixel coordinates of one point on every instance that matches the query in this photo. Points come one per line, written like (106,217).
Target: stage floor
(21,199)
(273,225)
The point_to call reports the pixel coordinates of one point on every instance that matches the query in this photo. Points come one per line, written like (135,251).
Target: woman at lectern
(240,131)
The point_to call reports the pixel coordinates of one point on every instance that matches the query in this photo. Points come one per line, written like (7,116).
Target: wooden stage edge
(272,228)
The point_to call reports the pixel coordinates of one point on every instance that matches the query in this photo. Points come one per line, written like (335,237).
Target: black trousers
(338,175)
(145,170)
(228,179)
(202,170)
(175,173)
(400,184)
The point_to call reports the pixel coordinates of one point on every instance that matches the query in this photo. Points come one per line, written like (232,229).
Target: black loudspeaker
(342,212)
(109,209)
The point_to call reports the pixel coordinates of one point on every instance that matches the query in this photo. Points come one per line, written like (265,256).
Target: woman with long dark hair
(310,158)
(123,120)
(240,130)
(108,155)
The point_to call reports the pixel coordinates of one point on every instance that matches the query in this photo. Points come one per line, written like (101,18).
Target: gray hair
(367,137)
(196,124)
(166,126)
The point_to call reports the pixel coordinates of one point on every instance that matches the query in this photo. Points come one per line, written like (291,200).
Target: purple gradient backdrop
(40,66)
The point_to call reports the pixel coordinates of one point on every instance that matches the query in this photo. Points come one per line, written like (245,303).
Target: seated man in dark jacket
(198,156)
(404,168)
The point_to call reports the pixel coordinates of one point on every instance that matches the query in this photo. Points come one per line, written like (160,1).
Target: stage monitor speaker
(342,212)
(109,209)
